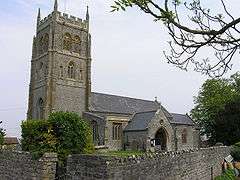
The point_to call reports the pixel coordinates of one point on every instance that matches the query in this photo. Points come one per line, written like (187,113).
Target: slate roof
(118,104)
(181,119)
(144,110)
(140,121)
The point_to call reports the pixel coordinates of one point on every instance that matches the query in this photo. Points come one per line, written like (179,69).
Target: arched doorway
(161,139)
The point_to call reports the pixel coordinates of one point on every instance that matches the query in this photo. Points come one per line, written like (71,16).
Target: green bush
(235,152)
(37,137)
(227,175)
(2,134)
(73,133)
(64,133)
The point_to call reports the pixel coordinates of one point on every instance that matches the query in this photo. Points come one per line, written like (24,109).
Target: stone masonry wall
(20,165)
(202,164)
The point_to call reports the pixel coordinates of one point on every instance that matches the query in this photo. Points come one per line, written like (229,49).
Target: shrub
(37,137)
(235,152)
(64,133)
(73,133)
(2,134)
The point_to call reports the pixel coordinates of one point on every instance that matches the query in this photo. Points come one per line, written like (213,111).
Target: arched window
(41,42)
(61,71)
(71,70)
(95,132)
(184,136)
(117,131)
(81,71)
(45,42)
(67,42)
(40,108)
(77,44)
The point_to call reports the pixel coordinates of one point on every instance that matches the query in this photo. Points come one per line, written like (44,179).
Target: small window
(67,42)
(71,70)
(61,71)
(117,131)
(184,136)
(40,109)
(81,72)
(40,65)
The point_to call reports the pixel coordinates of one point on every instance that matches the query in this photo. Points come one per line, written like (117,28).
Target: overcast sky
(127,57)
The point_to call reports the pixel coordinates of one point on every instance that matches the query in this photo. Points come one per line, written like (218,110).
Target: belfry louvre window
(67,42)
(117,131)
(77,44)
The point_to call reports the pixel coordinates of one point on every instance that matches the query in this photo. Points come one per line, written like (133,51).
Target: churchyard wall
(21,165)
(202,164)
(199,164)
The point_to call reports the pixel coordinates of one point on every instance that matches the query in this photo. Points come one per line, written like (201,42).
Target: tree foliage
(194,28)
(2,134)
(227,124)
(235,152)
(64,133)
(213,105)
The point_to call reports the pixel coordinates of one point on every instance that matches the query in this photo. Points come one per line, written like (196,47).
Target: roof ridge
(179,114)
(124,96)
(93,114)
(146,111)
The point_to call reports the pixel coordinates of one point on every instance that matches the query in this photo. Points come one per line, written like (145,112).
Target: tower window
(117,131)
(184,136)
(45,43)
(71,70)
(77,44)
(61,71)
(67,42)
(40,108)
(41,42)
(81,72)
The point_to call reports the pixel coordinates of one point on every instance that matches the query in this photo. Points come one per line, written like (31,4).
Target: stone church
(61,81)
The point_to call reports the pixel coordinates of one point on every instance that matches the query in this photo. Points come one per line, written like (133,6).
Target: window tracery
(71,70)
(117,131)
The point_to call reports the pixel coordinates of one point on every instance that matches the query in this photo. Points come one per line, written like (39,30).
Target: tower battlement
(64,18)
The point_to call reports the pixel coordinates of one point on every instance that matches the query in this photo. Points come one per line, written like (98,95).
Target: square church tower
(60,65)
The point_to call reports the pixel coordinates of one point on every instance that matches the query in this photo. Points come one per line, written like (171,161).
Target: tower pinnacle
(87,14)
(39,16)
(56,5)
